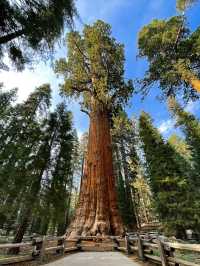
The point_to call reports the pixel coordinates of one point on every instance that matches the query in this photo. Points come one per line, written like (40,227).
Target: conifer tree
(32,27)
(168,181)
(182,5)
(124,142)
(190,125)
(62,175)
(94,71)
(172,51)
(18,147)
(38,152)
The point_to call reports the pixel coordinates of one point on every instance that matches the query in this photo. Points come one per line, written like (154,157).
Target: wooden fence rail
(38,249)
(167,251)
(147,247)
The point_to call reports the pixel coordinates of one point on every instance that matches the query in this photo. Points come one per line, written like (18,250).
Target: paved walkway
(94,259)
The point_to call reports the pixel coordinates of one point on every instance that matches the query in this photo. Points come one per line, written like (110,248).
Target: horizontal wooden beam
(182,262)
(180,246)
(15,259)
(15,245)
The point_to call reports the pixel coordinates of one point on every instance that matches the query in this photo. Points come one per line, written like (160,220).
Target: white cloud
(192,107)
(166,126)
(79,133)
(27,80)
(91,10)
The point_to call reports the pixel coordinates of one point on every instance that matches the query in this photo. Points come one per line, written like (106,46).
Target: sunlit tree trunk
(195,84)
(97,211)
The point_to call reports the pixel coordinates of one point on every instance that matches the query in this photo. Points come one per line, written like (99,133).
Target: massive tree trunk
(97,211)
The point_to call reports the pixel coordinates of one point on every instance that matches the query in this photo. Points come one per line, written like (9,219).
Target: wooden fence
(38,249)
(147,247)
(154,249)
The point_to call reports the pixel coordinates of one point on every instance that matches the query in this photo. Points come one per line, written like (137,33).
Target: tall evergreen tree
(32,27)
(94,70)
(143,201)
(191,128)
(124,141)
(18,147)
(62,175)
(190,125)
(172,50)
(182,5)
(169,183)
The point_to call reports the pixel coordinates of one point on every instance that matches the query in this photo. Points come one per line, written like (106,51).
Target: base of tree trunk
(97,212)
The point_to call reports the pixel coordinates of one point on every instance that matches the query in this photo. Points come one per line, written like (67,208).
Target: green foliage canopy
(32,27)
(94,68)
(184,4)
(173,53)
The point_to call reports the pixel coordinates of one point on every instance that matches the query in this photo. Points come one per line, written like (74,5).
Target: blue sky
(126,17)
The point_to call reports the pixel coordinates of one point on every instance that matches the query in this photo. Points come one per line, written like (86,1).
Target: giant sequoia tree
(94,71)
(173,53)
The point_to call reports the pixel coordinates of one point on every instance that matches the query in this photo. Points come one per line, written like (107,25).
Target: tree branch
(9,37)
(85,111)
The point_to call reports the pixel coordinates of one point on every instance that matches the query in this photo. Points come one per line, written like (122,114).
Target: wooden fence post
(140,249)
(64,246)
(78,244)
(60,243)
(162,253)
(35,250)
(116,243)
(42,250)
(127,244)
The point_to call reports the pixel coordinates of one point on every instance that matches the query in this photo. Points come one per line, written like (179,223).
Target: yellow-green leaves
(182,5)
(95,67)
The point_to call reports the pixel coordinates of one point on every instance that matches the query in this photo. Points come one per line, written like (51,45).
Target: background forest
(43,147)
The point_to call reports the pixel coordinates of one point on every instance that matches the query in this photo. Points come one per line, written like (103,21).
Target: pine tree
(18,147)
(124,139)
(143,201)
(94,70)
(32,26)
(173,52)
(28,176)
(168,181)
(38,154)
(191,128)
(62,175)
(53,207)
(182,5)
(181,147)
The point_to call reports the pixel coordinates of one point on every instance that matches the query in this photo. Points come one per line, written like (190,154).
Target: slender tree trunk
(20,232)
(133,224)
(97,211)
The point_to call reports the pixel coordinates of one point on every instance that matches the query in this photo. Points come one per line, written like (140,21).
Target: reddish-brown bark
(97,211)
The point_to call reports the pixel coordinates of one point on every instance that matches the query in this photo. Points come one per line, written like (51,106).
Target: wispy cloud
(90,11)
(192,107)
(28,80)
(167,126)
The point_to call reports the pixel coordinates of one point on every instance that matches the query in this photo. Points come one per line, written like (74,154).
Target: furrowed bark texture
(97,211)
